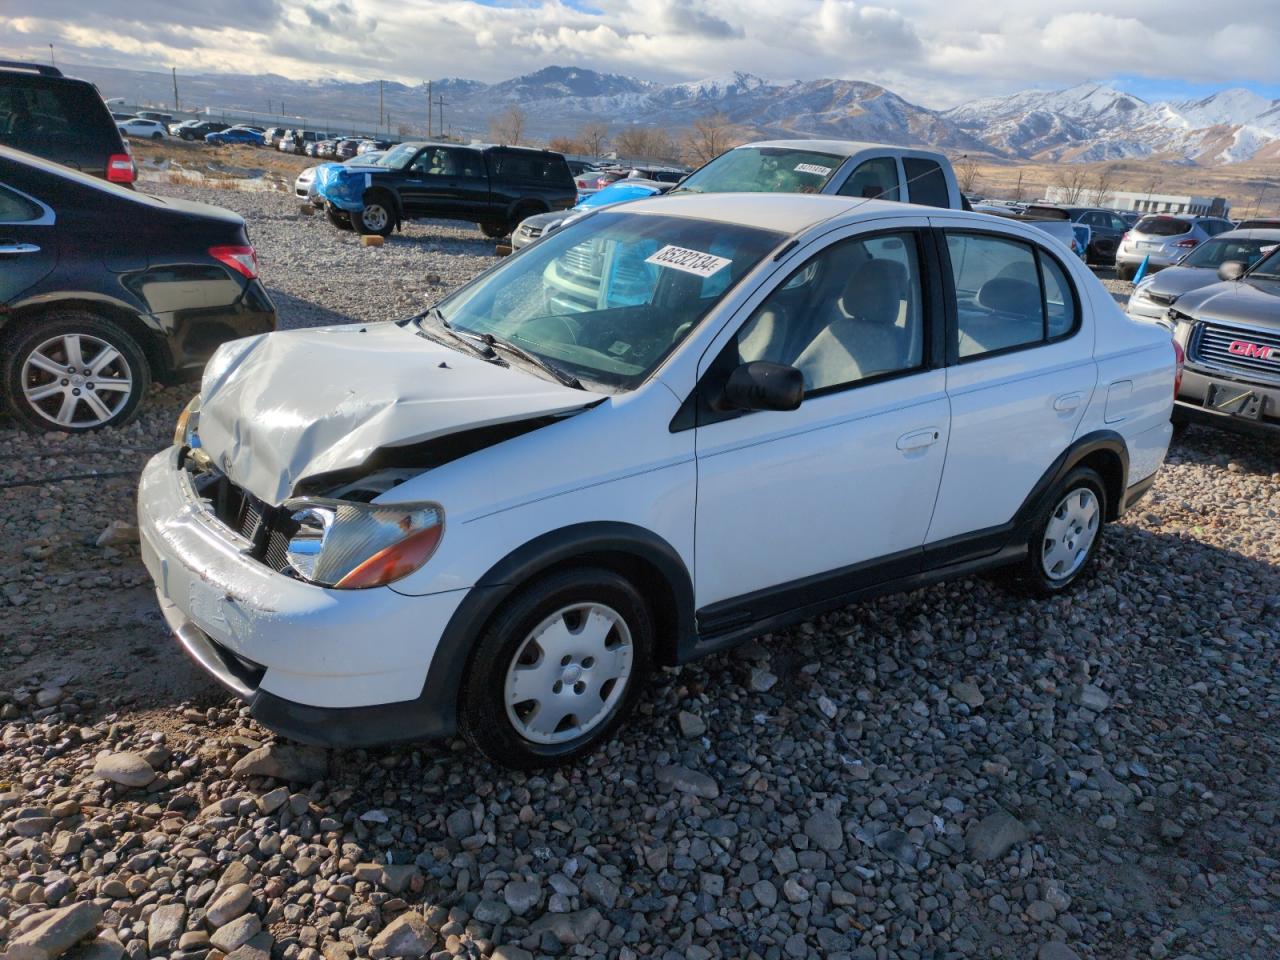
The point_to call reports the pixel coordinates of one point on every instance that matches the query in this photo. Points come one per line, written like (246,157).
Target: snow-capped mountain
(1089,121)
(1097,122)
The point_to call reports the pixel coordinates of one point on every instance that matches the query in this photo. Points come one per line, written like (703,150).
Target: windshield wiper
(563,376)
(484,351)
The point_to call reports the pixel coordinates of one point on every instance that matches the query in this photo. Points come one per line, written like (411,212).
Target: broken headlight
(184,432)
(339,543)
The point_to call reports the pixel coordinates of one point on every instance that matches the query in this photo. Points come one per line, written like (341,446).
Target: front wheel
(558,669)
(339,218)
(375,218)
(1066,535)
(495,230)
(73,371)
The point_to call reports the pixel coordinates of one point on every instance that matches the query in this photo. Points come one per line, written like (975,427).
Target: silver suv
(1163,239)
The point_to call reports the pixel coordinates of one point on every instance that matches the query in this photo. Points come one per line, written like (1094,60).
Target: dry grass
(1241,183)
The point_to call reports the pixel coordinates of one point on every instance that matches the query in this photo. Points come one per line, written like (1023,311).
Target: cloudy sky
(935,52)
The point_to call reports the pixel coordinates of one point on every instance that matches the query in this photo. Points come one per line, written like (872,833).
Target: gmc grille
(1241,349)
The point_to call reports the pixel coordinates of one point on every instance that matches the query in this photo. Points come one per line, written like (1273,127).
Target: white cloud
(936,52)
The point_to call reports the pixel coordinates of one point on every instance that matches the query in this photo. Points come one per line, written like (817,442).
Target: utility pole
(175,89)
(381,113)
(430,109)
(52,61)
(440,104)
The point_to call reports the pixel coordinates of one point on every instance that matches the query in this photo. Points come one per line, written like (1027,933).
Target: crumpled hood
(284,406)
(1253,302)
(1175,281)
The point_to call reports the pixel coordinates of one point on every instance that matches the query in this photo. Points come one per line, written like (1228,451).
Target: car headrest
(1010,295)
(875,291)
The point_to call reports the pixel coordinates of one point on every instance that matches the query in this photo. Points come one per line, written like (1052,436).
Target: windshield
(607,298)
(398,156)
(1268,268)
(764,170)
(1214,253)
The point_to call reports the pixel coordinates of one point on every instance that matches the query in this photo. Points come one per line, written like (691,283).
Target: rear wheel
(1066,535)
(558,669)
(73,371)
(1125,271)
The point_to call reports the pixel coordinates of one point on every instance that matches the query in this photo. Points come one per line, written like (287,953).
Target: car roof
(1251,233)
(844,148)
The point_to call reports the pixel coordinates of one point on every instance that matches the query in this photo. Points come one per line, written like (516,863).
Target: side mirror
(763,386)
(1232,269)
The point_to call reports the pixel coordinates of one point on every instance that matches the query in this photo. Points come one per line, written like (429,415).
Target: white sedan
(666,427)
(145,129)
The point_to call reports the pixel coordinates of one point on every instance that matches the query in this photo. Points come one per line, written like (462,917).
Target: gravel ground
(956,772)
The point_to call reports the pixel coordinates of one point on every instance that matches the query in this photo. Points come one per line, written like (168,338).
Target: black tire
(1125,272)
(1180,427)
(1032,573)
(157,136)
(482,710)
(339,218)
(378,218)
(93,335)
(495,230)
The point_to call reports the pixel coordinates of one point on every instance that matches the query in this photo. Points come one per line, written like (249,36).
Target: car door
(803,505)
(28,244)
(444,182)
(1021,376)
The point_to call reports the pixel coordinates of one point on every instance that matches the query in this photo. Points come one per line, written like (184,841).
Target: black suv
(1106,227)
(495,187)
(197,129)
(88,319)
(61,119)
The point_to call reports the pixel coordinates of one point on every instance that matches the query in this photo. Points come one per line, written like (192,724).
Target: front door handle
(9,246)
(1068,402)
(919,439)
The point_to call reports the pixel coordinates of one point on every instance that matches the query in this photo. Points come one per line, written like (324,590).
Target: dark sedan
(103,289)
(1230,332)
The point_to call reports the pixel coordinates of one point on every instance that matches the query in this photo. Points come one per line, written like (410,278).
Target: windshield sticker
(815,168)
(619,348)
(690,261)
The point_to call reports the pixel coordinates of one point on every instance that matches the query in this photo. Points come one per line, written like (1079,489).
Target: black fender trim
(605,542)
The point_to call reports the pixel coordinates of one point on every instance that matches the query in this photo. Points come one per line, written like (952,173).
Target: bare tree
(647,143)
(966,172)
(508,126)
(594,136)
(567,145)
(709,137)
(1018,188)
(1104,182)
(1071,181)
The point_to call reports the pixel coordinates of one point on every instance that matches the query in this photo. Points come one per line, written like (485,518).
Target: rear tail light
(1187,244)
(1179,358)
(120,168)
(1124,238)
(242,260)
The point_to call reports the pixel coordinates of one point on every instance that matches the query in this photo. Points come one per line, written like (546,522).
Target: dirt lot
(957,772)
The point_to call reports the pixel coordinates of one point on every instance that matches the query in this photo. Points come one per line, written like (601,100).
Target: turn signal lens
(184,432)
(394,562)
(1179,358)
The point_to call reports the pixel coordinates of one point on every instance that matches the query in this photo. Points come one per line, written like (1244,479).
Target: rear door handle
(1068,402)
(8,247)
(919,439)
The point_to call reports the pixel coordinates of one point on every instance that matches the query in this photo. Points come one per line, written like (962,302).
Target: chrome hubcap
(76,380)
(375,216)
(1072,528)
(569,673)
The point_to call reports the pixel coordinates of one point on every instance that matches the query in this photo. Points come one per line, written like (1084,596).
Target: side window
(15,208)
(1118,223)
(852,312)
(926,183)
(876,178)
(1007,294)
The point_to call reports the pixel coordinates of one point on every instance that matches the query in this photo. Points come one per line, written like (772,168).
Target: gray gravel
(957,772)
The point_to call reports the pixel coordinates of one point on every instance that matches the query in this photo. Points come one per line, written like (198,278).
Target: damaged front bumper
(334,667)
(341,187)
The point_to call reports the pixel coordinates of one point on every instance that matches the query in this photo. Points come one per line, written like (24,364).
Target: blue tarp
(343,186)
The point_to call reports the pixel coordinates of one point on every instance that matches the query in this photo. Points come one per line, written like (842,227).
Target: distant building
(1152,202)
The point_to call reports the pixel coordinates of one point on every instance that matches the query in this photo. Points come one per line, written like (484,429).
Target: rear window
(42,115)
(926,184)
(1162,226)
(1048,213)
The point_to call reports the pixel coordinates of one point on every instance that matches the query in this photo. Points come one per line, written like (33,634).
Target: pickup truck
(846,168)
(495,187)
